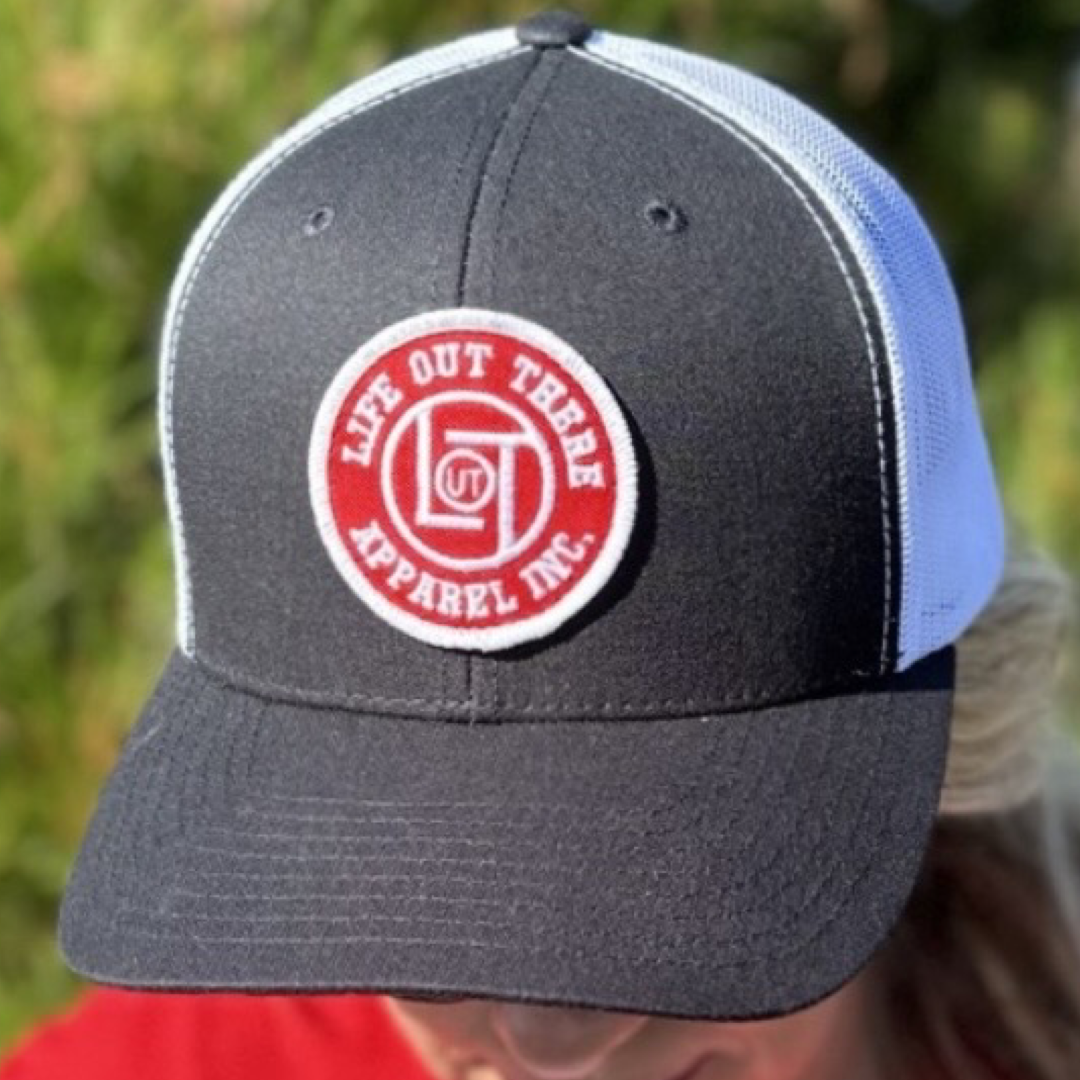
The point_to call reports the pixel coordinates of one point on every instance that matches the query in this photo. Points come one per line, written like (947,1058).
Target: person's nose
(558,1043)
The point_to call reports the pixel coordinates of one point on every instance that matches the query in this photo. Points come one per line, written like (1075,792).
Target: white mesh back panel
(367,92)
(951,521)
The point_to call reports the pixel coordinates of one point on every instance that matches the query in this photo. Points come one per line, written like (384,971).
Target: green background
(121,119)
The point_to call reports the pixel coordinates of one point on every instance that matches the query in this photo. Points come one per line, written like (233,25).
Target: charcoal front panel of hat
(740,348)
(676,771)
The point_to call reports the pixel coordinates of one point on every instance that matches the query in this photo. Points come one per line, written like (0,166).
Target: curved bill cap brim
(723,867)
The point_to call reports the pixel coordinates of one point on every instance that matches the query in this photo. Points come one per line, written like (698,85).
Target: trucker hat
(577,488)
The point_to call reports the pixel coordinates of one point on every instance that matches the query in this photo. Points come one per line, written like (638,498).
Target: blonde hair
(981,979)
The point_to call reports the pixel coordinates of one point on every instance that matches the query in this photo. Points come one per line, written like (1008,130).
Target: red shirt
(122,1035)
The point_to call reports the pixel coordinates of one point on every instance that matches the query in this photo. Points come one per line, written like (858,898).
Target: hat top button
(553,29)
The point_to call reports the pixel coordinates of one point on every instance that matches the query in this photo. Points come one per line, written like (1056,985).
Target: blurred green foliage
(121,119)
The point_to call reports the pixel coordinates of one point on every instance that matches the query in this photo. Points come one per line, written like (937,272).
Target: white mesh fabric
(951,521)
(367,92)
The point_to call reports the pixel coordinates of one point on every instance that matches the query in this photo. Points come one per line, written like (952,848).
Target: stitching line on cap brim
(780,166)
(173,325)
(832,915)
(787,922)
(548,73)
(748,839)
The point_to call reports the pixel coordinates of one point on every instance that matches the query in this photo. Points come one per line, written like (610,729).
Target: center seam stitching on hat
(442,255)
(472,689)
(183,568)
(548,69)
(482,181)
(482,673)
(780,167)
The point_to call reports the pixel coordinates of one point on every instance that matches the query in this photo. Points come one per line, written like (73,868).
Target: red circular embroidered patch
(472,477)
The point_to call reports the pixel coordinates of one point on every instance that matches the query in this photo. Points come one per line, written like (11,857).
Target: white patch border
(533,627)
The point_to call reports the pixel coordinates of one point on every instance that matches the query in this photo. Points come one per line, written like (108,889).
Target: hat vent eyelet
(666,216)
(319,220)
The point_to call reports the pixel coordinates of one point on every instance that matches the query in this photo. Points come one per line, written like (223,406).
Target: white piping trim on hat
(409,74)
